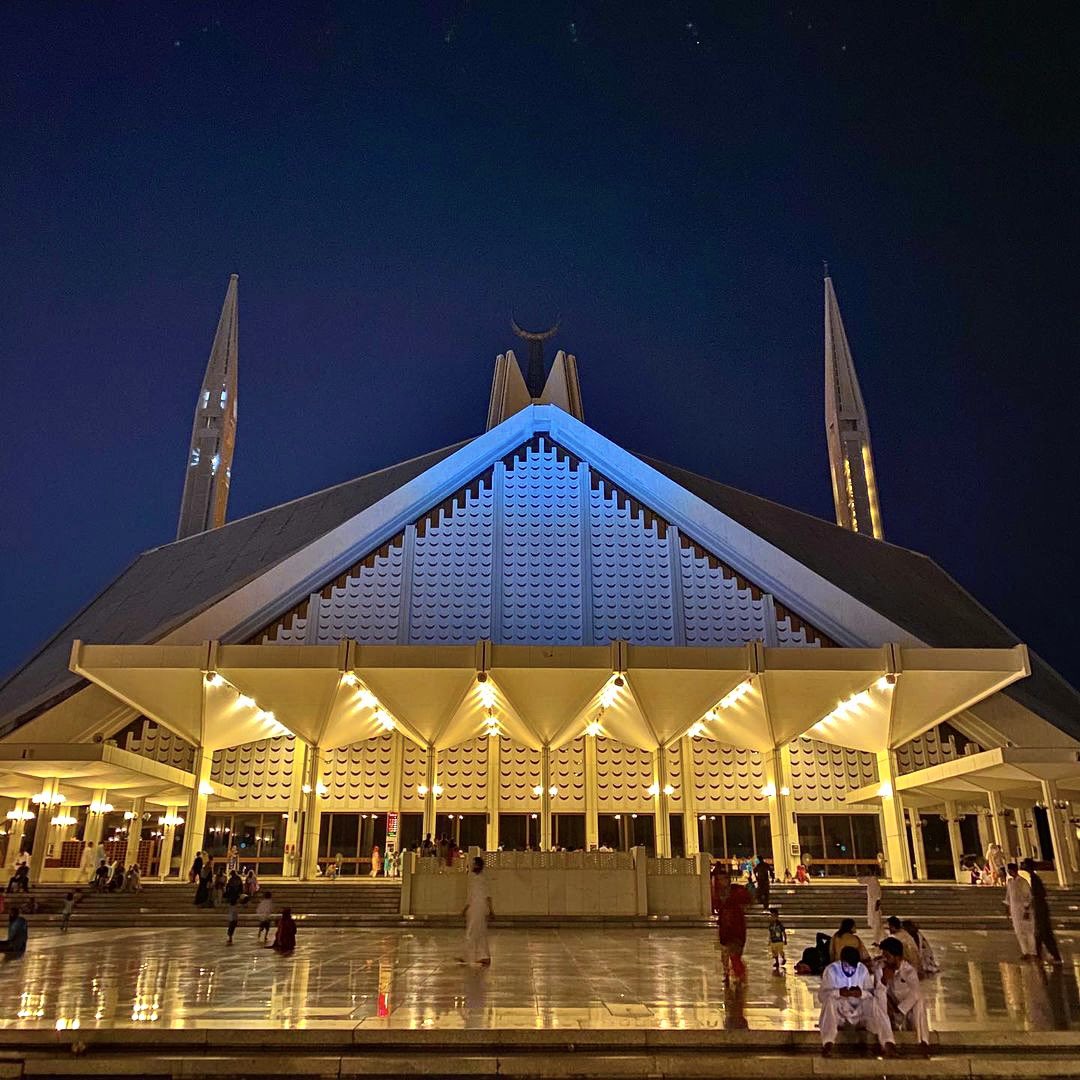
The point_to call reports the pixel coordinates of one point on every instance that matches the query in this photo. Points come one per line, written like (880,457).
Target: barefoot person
(729,903)
(848,999)
(477,912)
(901,994)
(1018,901)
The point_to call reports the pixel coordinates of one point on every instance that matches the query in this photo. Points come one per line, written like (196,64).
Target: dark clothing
(1040,910)
(16,939)
(196,869)
(816,957)
(234,890)
(202,893)
(20,880)
(731,913)
(285,938)
(762,877)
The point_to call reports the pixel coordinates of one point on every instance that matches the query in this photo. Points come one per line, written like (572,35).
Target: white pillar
(95,821)
(592,829)
(309,855)
(44,833)
(134,832)
(494,767)
(294,836)
(17,829)
(662,803)
(1062,861)
(689,799)
(916,825)
(195,818)
(956,840)
(780,813)
(167,840)
(545,798)
(892,820)
(999,828)
(431,780)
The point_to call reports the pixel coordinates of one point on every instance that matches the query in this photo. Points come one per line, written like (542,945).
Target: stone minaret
(213,435)
(847,430)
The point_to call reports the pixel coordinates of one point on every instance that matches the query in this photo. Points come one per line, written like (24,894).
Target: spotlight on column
(669,789)
(553,791)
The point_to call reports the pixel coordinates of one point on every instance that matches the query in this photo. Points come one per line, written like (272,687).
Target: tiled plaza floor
(589,977)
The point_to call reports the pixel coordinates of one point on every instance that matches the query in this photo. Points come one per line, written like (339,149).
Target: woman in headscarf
(285,938)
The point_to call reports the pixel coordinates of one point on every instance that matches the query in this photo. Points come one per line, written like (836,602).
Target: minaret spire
(534,372)
(213,434)
(847,430)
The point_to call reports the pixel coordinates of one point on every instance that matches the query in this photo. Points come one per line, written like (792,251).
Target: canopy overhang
(1005,770)
(751,697)
(85,768)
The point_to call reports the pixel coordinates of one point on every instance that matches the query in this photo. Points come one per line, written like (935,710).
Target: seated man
(20,880)
(16,935)
(848,999)
(900,994)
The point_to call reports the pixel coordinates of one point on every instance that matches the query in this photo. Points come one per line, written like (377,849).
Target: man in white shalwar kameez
(849,998)
(477,912)
(900,993)
(873,907)
(1018,901)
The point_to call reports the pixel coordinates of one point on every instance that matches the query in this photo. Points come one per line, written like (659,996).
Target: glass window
(740,836)
(513,832)
(568,831)
(866,832)
(609,831)
(641,832)
(711,835)
(810,841)
(763,837)
(678,840)
(410,831)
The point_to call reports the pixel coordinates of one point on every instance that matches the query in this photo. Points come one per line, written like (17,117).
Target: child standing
(777,941)
(65,911)
(264,913)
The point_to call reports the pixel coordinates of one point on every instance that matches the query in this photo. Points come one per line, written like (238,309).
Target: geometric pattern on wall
(794,632)
(157,743)
(624,775)
(727,778)
(260,771)
(366,605)
(567,767)
(822,774)
(462,774)
(631,569)
(413,773)
(519,773)
(453,568)
(720,607)
(360,774)
(673,757)
(933,747)
(541,578)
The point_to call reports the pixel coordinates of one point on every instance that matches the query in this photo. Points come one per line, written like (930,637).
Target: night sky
(390,182)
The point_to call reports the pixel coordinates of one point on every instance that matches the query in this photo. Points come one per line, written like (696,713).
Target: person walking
(848,996)
(729,904)
(846,938)
(1040,913)
(264,912)
(478,912)
(86,863)
(763,880)
(195,873)
(873,906)
(900,993)
(995,859)
(1019,903)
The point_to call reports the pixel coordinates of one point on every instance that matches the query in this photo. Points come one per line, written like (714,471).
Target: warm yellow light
(785,791)
(20,815)
(349,678)
(885,789)
(305,788)
(553,791)
(436,790)
(48,798)
(669,789)
(245,702)
(594,728)
(768,791)
(205,787)
(128,815)
(733,696)
(422,790)
(653,789)
(384,720)
(214,679)
(697,729)
(609,695)
(538,790)
(366,699)
(62,820)
(101,807)
(486,693)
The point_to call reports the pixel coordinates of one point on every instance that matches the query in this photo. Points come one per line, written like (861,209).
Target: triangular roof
(799,557)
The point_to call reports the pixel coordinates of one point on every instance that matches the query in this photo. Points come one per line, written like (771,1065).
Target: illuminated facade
(535,638)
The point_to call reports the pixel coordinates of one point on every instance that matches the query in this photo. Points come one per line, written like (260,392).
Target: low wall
(573,883)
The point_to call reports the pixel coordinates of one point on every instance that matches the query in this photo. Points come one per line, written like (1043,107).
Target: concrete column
(892,820)
(294,822)
(689,799)
(915,824)
(1062,861)
(17,830)
(95,822)
(44,833)
(998,828)
(956,841)
(592,829)
(494,769)
(309,854)
(986,834)
(134,832)
(780,813)
(431,779)
(545,798)
(195,818)
(165,857)
(662,802)
(1023,833)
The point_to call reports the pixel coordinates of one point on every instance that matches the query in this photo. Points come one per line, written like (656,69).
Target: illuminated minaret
(213,435)
(847,430)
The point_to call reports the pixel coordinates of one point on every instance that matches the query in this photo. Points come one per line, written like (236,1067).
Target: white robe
(866,1011)
(903,1001)
(1018,901)
(478,897)
(873,908)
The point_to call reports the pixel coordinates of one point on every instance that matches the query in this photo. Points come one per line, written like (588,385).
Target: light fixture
(385,720)
(421,790)
(349,678)
(305,788)
(538,790)
(653,789)
(366,699)
(553,791)
(436,790)
(214,679)
(768,791)
(609,695)
(321,789)
(669,790)
(487,695)
(732,696)
(101,807)
(170,820)
(48,798)
(205,787)
(128,815)
(885,789)
(594,728)
(267,716)
(20,815)
(245,702)
(785,791)
(481,676)
(618,681)
(697,729)
(62,820)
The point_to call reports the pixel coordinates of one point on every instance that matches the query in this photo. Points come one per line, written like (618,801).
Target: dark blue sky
(389,181)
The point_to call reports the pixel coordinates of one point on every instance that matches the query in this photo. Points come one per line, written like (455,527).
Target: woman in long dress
(285,937)
(478,911)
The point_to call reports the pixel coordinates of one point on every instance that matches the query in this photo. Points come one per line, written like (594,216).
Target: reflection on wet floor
(589,977)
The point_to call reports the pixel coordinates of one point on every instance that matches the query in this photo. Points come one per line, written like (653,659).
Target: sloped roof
(906,587)
(168,585)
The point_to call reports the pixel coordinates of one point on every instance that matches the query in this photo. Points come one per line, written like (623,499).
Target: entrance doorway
(347,840)
(621,832)
(519,832)
(466,830)
(938,850)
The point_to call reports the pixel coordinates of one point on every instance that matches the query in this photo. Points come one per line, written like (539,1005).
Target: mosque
(535,639)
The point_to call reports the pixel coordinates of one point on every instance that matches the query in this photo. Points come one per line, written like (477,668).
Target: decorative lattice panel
(624,775)
(675,774)
(157,743)
(365,603)
(452,568)
(567,771)
(821,774)
(719,607)
(359,776)
(462,773)
(542,547)
(413,774)
(519,773)
(290,629)
(631,569)
(793,631)
(931,748)
(726,778)
(260,771)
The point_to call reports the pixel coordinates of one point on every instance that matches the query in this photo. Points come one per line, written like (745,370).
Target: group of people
(215,883)
(444,848)
(385,863)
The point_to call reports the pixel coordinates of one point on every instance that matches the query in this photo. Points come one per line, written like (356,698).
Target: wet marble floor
(559,978)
